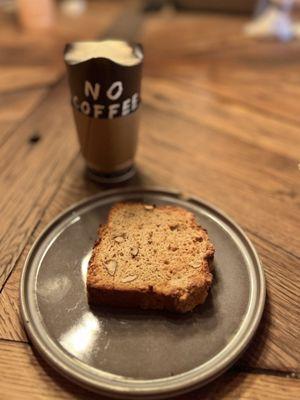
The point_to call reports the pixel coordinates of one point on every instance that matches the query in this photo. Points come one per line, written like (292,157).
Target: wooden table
(220,120)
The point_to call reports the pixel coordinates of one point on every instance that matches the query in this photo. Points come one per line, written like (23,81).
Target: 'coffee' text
(113,110)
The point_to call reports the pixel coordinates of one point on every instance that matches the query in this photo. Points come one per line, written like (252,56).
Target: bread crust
(177,299)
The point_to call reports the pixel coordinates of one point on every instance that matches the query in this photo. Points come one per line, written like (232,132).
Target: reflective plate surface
(138,353)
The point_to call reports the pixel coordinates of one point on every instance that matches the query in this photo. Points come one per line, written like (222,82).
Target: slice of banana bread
(150,257)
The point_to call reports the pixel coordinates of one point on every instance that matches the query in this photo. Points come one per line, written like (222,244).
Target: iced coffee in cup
(105,84)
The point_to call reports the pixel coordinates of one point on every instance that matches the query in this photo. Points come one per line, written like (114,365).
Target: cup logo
(109,103)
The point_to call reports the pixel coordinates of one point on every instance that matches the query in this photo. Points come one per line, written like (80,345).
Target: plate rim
(166,386)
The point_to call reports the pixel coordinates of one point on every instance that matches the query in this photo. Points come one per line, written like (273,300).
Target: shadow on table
(139,179)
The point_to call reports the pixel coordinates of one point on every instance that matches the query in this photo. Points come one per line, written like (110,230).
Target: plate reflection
(79,340)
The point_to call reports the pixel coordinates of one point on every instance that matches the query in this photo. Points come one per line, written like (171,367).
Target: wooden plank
(234,180)
(14,78)
(276,344)
(182,98)
(32,171)
(14,107)
(211,52)
(35,380)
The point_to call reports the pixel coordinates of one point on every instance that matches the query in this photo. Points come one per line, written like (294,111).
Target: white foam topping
(118,51)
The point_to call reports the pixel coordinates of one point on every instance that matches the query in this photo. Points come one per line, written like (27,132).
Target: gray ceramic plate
(138,353)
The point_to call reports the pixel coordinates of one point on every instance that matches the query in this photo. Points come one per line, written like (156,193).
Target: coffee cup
(105,85)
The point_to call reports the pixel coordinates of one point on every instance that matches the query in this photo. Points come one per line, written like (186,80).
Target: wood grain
(30,175)
(35,380)
(223,115)
(14,108)
(211,52)
(276,344)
